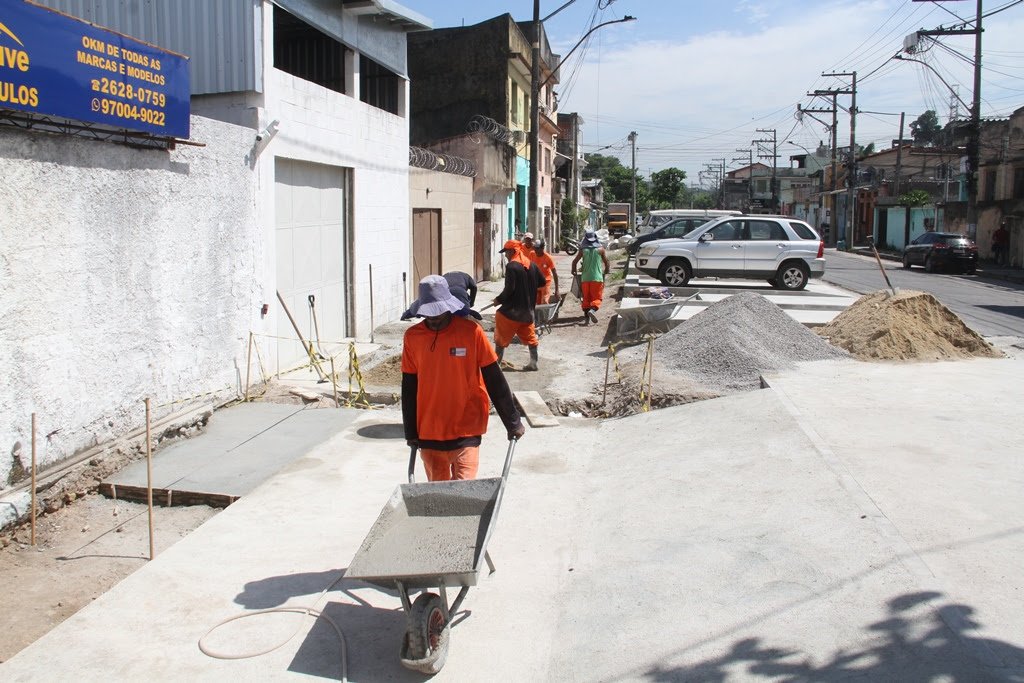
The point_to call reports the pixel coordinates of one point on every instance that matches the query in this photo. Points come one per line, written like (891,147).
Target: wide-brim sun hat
(590,239)
(435,299)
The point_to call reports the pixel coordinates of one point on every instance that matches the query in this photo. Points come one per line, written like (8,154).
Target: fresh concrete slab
(241,447)
(535,409)
(796,532)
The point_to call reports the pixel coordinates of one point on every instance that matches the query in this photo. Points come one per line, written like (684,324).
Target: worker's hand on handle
(517,433)
(412,443)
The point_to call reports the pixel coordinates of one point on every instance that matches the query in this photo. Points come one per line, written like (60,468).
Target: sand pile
(731,343)
(908,326)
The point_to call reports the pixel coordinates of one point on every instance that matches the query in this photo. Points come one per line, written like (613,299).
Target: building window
(306,53)
(990,186)
(514,103)
(1018,183)
(378,86)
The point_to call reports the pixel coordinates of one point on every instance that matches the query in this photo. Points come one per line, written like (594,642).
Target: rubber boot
(532,365)
(586,317)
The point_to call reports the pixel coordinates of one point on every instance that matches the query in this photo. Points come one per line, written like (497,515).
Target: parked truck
(618,218)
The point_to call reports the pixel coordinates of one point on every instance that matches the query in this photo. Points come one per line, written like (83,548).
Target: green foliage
(667,187)
(573,219)
(863,151)
(618,180)
(926,129)
(915,198)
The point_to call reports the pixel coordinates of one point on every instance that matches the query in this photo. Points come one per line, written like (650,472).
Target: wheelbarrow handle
(504,471)
(412,465)
(508,458)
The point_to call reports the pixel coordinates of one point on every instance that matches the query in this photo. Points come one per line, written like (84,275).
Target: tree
(667,187)
(909,200)
(618,180)
(926,129)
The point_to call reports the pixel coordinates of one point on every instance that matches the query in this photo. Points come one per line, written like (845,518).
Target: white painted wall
(124,273)
(325,127)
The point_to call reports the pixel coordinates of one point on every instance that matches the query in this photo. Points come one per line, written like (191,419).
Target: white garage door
(311,254)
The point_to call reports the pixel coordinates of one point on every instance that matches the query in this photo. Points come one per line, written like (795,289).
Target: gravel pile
(731,343)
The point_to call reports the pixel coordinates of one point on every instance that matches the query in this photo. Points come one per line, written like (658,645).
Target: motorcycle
(569,246)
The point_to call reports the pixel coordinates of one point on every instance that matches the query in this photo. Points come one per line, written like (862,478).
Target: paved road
(991,307)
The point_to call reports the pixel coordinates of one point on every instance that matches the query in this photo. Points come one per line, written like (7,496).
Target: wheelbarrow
(431,535)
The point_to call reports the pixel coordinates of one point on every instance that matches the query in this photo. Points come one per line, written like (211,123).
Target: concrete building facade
(161,263)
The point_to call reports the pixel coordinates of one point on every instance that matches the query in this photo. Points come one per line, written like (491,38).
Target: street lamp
(535,85)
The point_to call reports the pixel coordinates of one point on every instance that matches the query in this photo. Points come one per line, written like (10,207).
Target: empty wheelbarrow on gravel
(431,535)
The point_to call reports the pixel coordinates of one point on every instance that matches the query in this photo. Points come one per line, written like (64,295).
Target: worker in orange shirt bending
(534,249)
(449,369)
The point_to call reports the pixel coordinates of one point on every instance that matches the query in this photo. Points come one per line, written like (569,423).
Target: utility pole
(974,131)
(632,207)
(774,157)
(532,225)
(750,175)
(852,168)
(833,204)
(899,159)
(720,168)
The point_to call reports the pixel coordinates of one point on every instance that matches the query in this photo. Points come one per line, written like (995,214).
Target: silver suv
(784,251)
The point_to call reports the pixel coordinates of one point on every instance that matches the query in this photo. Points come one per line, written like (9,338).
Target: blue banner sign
(56,65)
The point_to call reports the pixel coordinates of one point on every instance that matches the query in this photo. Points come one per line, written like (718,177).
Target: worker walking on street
(449,369)
(1000,244)
(539,257)
(595,268)
(517,302)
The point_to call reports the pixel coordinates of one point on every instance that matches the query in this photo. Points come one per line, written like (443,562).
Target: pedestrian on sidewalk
(594,269)
(449,369)
(517,302)
(1000,244)
(535,251)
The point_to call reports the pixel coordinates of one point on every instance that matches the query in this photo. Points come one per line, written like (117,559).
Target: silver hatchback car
(784,251)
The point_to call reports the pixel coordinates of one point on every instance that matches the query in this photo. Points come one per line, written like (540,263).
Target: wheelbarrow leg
(490,563)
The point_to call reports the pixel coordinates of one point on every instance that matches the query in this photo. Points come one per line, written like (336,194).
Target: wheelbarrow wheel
(426,641)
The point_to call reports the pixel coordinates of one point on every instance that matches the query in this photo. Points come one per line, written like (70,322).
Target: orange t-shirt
(451,398)
(545,263)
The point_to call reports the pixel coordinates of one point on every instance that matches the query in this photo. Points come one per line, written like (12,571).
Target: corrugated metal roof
(219,36)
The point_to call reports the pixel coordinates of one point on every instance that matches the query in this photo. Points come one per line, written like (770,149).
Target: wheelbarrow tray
(429,534)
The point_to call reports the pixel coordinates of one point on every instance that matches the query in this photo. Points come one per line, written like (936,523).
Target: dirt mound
(908,326)
(386,373)
(731,343)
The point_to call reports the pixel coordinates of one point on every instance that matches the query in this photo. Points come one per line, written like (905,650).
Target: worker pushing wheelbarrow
(434,534)
(431,536)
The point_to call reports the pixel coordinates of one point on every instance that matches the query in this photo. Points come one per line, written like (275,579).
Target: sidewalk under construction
(853,520)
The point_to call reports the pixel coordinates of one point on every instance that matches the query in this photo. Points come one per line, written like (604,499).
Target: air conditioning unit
(519,137)
(543,108)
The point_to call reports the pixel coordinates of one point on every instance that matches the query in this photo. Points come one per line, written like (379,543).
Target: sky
(696,78)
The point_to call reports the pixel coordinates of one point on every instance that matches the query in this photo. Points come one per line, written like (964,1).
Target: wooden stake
(334,383)
(607,364)
(248,365)
(149,479)
(33,531)
(371,304)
